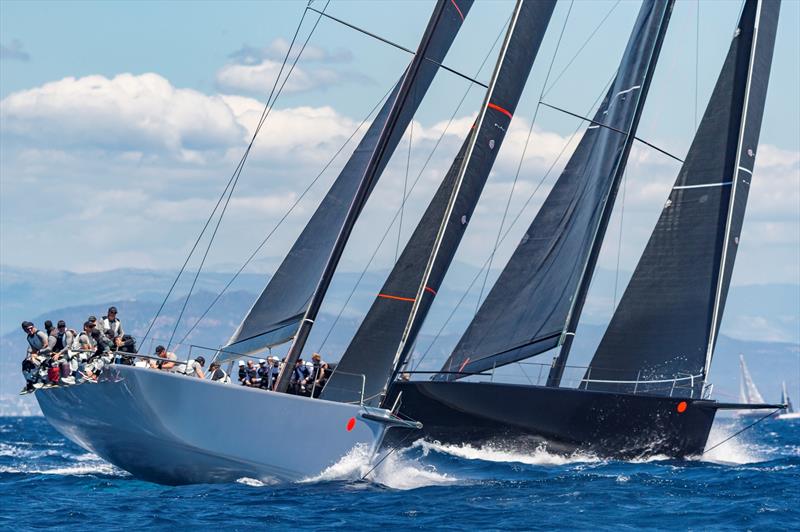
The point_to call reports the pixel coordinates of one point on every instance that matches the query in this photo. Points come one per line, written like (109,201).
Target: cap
(262,361)
(201,360)
(241,362)
(112,309)
(48,324)
(160,349)
(92,318)
(26,324)
(88,324)
(62,323)
(214,364)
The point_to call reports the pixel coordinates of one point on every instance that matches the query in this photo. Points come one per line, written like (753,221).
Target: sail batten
(529,306)
(668,318)
(296,283)
(388,331)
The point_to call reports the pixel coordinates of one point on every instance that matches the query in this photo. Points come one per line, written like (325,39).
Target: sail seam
(398,298)
(498,108)
(460,14)
(704,185)
(726,241)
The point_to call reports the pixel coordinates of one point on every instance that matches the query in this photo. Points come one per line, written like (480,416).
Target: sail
(393,321)
(786,400)
(275,316)
(748,391)
(666,324)
(527,308)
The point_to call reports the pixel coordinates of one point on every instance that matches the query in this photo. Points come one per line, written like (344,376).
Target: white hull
(793,415)
(174,429)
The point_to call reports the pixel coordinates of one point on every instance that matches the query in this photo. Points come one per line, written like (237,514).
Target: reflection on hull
(174,429)
(561,420)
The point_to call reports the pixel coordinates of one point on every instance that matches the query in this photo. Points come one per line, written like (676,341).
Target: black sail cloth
(405,298)
(526,310)
(275,316)
(667,320)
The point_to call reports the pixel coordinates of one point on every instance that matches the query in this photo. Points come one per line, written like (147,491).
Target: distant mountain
(761,321)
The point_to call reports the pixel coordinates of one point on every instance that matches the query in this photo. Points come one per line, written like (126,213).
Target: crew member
(35,355)
(195,367)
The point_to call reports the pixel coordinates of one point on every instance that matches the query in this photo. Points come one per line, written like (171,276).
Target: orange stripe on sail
(460,14)
(498,108)
(461,368)
(387,296)
(431,290)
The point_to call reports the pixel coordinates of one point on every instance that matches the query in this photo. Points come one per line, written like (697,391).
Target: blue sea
(751,482)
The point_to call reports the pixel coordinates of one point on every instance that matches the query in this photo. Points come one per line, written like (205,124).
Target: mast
(387,332)
(568,334)
(722,287)
(365,186)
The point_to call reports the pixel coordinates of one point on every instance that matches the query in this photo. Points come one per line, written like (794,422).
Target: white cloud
(259,78)
(126,113)
(134,159)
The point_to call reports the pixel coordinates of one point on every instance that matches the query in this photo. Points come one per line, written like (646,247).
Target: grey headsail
(666,324)
(389,328)
(526,311)
(277,313)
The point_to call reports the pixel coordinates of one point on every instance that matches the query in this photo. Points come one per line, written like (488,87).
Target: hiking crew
(58,354)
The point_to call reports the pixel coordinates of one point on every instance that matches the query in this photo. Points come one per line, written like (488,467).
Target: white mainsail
(748,392)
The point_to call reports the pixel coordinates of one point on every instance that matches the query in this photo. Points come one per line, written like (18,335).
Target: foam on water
(733,451)
(490,453)
(396,471)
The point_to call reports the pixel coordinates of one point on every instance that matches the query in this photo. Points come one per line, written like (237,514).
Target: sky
(121,122)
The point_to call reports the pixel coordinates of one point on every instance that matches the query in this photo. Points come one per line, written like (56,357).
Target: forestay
(527,309)
(667,321)
(276,314)
(388,331)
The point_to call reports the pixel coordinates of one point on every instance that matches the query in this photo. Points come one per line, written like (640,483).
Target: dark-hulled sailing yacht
(646,389)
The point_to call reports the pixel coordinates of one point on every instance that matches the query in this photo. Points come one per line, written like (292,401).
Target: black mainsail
(387,333)
(532,304)
(667,321)
(278,312)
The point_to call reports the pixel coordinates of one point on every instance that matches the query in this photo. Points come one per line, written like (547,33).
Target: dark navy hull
(563,420)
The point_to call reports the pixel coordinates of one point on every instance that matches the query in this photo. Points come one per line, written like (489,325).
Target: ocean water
(752,482)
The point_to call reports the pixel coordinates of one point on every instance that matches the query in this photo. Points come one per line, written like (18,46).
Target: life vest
(114,326)
(60,343)
(37,341)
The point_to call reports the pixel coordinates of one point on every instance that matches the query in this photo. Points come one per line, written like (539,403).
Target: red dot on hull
(351,423)
(681,408)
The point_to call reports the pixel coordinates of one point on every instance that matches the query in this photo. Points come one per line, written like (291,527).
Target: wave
(395,471)
(732,451)
(492,453)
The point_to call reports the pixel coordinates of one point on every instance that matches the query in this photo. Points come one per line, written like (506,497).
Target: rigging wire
(619,239)
(405,187)
(732,436)
(238,172)
(522,157)
(413,185)
(399,47)
(585,43)
(222,195)
(286,214)
(696,62)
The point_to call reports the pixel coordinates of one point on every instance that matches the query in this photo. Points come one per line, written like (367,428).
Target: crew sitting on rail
(263,374)
(242,372)
(319,373)
(112,327)
(251,375)
(168,364)
(218,374)
(300,378)
(38,349)
(194,368)
(274,371)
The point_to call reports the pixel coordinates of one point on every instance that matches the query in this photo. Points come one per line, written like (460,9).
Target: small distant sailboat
(748,391)
(788,412)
